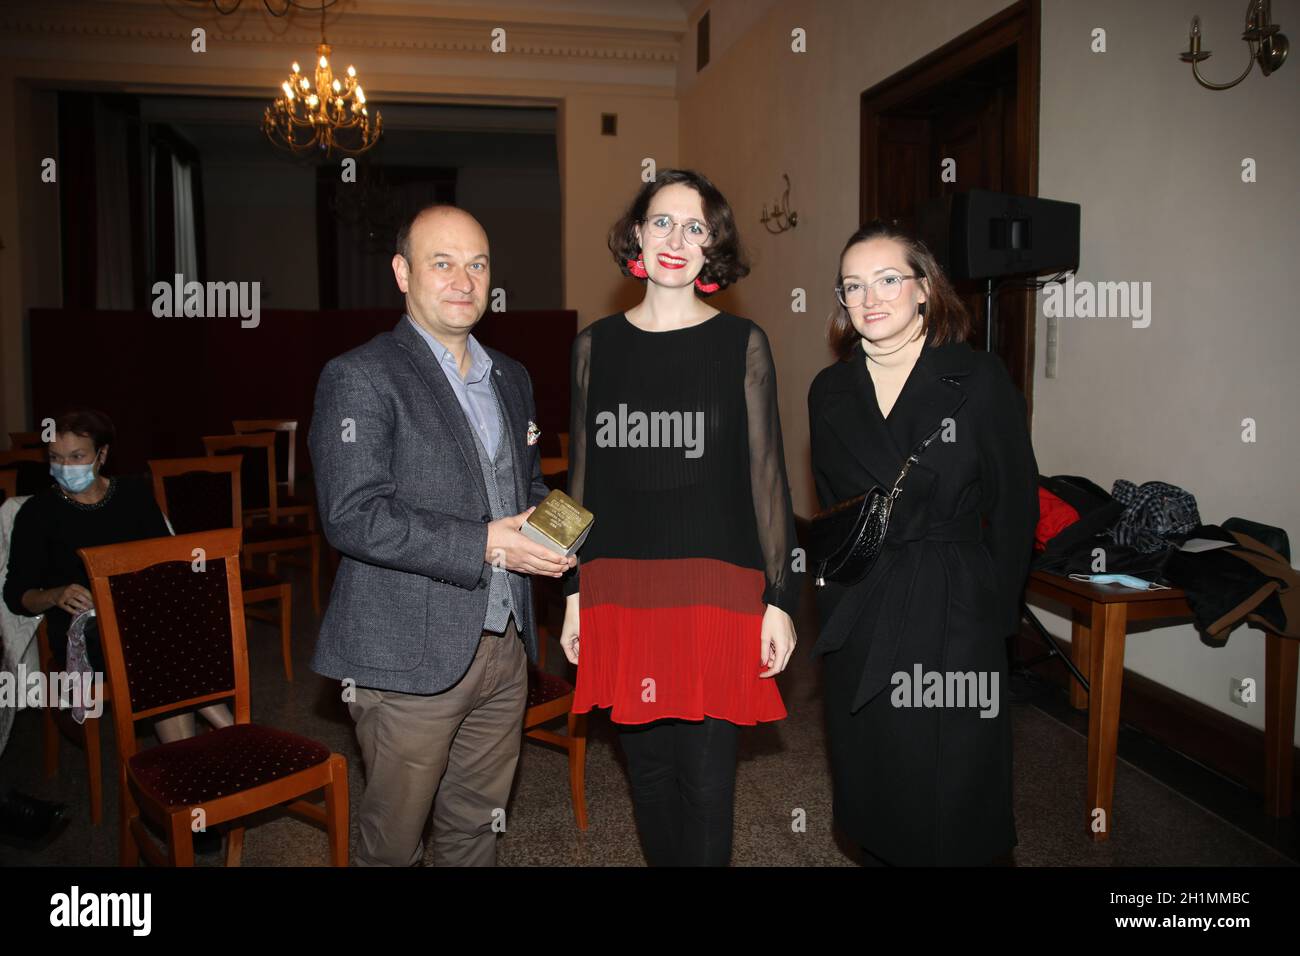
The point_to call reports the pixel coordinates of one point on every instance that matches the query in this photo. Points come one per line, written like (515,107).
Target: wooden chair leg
(180,839)
(128,853)
(315,575)
(336,810)
(286,631)
(234,846)
(95,770)
(578,766)
(50,740)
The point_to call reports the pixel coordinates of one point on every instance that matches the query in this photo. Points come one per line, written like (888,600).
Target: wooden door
(973,101)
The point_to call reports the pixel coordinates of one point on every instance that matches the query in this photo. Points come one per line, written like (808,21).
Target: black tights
(683,776)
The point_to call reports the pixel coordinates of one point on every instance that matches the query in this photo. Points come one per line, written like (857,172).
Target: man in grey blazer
(424,449)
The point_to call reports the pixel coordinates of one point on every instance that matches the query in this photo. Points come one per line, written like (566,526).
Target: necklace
(81,506)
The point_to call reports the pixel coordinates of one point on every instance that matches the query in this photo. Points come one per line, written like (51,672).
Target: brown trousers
(455,751)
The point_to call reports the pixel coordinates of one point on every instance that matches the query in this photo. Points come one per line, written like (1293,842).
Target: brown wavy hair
(943,315)
(724,258)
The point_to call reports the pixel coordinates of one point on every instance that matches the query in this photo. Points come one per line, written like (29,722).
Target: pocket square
(534,433)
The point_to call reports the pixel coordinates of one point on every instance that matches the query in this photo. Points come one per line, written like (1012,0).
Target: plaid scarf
(1152,513)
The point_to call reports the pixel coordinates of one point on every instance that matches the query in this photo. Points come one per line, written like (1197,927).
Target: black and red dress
(675,446)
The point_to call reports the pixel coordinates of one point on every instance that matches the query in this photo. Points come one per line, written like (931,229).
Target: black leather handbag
(847,537)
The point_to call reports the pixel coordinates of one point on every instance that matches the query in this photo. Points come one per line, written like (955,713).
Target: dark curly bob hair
(724,259)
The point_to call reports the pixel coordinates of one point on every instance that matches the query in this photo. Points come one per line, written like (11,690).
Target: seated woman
(83,509)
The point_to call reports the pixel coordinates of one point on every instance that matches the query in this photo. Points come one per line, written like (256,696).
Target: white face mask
(74,478)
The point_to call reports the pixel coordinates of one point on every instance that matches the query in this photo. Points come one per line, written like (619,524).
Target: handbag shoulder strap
(916,452)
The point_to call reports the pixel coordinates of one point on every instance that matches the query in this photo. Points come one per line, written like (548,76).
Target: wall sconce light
(781,215)
(1267,46)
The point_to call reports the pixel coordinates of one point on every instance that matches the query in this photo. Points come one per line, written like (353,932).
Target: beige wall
(1155,162)
(599,177)
(759,110)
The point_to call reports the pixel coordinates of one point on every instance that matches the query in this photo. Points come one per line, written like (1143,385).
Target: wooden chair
(23,454)
(26,440)
(203,494)
(173,636)
(284,431)
(558,465)
(30,468)
(55,722)
(550,697)
(260,501)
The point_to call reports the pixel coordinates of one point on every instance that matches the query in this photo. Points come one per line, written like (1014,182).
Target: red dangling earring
(637,268)
(707,287)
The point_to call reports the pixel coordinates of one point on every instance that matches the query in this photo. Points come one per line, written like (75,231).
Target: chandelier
(322,114)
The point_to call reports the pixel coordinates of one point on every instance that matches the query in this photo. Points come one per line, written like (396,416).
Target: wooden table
(1100,617)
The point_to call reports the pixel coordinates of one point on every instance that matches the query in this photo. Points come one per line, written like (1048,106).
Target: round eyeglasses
(853,293)
(693,231)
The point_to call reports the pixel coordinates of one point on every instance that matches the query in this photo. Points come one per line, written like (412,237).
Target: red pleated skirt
(676,637)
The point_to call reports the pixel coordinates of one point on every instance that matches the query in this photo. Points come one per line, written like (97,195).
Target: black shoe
(27,820)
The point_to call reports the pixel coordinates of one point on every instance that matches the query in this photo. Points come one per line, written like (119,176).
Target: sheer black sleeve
(767,478)
(579,377)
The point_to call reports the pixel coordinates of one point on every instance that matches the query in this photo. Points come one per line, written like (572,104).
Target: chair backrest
(26,440)
(171,622)
(257,471)
(30,468)
(199,494)
(285,431)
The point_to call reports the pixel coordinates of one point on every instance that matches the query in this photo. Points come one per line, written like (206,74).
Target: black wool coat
(926,785)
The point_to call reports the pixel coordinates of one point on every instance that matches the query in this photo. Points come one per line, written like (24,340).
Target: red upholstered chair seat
(222,762)
(544,687)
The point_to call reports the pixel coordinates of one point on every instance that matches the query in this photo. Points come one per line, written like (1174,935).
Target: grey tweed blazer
(401,496)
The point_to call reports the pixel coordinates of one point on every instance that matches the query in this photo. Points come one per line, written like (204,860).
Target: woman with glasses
(685,589)
(917,722)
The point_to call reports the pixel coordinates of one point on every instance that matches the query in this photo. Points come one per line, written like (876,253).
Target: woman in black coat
(916,667)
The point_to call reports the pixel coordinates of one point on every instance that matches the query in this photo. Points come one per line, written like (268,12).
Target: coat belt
(893,586)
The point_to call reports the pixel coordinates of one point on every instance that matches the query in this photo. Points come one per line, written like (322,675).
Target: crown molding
(434,32)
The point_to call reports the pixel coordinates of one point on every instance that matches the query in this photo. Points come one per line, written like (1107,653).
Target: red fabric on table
(1054,516)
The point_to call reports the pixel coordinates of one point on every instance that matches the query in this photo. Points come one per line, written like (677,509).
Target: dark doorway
(974,100)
